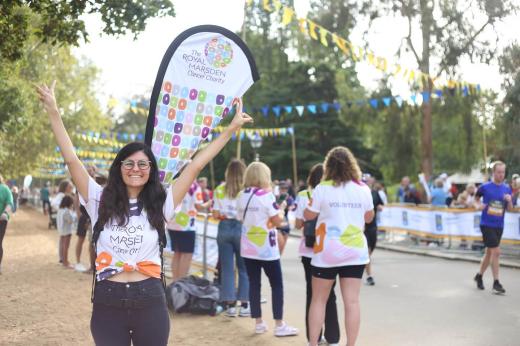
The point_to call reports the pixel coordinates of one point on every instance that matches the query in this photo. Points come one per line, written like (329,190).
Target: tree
(24,130)
(448,33)
(60,21)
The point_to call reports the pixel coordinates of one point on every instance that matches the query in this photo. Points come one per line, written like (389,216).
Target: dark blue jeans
(273,270)
(144,320)
(228,240)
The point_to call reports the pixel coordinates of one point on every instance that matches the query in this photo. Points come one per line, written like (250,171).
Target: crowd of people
(128,214)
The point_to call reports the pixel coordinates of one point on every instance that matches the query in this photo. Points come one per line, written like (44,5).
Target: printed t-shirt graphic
(202,71)
(224,204)
(186,213)
(131,247)
(258,239)
(339,232)
(302,202)
(493,197)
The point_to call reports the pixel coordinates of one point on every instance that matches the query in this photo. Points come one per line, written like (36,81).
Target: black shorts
(182,241)
(355,271)
(284,231)
(491,235)
(83,224)
(371,235)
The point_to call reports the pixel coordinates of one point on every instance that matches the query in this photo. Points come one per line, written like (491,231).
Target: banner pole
(239,145)
(295,169)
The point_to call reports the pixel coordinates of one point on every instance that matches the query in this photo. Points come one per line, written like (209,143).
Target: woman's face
(135,169)
(69,189)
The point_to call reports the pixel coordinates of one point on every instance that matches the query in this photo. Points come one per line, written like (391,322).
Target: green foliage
(24,128)
(60,21)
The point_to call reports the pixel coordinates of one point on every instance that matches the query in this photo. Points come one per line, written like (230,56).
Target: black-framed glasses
(141,164)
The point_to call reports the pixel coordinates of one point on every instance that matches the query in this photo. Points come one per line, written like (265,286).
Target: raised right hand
(46,96)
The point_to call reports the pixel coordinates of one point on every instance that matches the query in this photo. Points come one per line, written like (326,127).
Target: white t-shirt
(225,205)
(258,240)
(65,221)
(339,230)
(185,214)
(131,247)
(302,202)
(56,201)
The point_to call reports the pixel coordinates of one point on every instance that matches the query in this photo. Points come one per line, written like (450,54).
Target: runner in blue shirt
(493,198)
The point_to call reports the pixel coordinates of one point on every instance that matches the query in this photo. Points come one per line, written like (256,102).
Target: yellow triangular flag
(312,29)
(323,36)
(287,16)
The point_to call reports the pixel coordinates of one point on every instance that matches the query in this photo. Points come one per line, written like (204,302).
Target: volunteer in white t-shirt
(228,240)
(181,230)
(129,214)
(260,215)
(342,204)
(331,332)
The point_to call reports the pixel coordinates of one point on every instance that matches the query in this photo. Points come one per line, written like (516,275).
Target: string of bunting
(264,132)
(415,99)
(355,52)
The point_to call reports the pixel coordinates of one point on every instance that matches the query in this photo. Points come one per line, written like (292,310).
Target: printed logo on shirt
(495,208)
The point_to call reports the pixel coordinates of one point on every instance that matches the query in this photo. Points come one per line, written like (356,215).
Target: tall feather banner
(204,68)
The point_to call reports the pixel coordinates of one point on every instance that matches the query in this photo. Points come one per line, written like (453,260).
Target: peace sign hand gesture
(46,96)
(241,118)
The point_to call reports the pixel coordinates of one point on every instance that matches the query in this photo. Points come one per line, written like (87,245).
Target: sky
(129,67)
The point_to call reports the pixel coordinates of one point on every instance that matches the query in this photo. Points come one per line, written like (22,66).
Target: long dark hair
(315,175)
(114,200)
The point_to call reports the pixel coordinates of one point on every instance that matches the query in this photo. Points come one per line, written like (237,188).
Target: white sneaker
(261,328)
(231,312)
(79,267)
(285,330)
(245,312)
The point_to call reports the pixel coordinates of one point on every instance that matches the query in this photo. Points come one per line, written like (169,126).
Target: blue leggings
(273,270)
(121,326)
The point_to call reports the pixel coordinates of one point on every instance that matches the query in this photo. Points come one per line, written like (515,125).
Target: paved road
(419,300)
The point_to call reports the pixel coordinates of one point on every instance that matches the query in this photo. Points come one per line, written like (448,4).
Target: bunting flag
(357,53)
(264,132)
(201,73)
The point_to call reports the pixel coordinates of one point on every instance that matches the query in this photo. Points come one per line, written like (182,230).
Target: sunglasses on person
(141,164)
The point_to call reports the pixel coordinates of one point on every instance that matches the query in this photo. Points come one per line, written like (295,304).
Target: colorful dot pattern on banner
(219,52)
(184,116)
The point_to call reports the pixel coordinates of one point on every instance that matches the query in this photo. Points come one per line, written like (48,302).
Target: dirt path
(41,303)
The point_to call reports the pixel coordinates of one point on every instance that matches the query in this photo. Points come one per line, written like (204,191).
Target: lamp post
(256,143)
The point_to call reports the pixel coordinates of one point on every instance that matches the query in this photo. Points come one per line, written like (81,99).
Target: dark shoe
(497,288)
(370,281)
(478,280)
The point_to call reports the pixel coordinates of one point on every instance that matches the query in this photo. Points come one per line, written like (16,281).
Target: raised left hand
(241,118)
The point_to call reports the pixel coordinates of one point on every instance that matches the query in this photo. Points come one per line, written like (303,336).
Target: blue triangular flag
(276,110)
(312,108)
(399,101)
(300,110)
(373,103)
(413,98)
(387,101)
(465,91)
(265,110)
(133,103)
(336,106)
(288,109)
(290,130)
(438,92)
(325,107)
(426,96)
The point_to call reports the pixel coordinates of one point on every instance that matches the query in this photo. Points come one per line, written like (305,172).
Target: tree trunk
(426,108)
